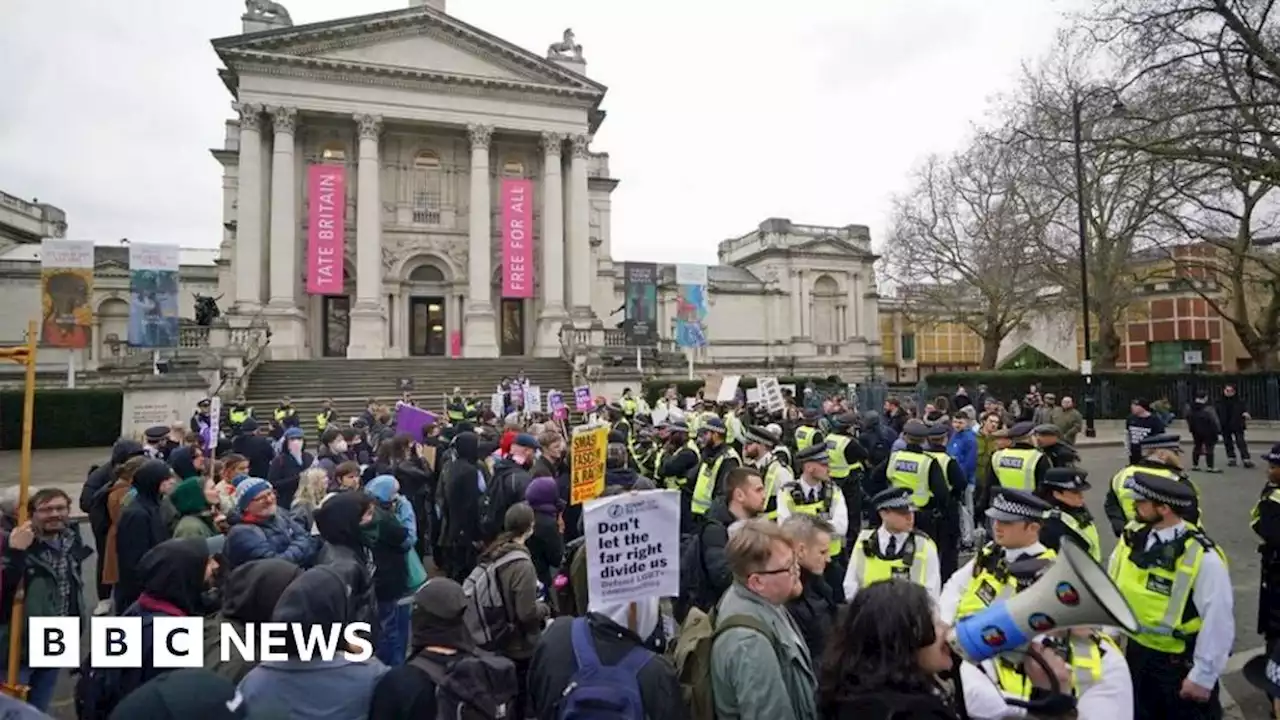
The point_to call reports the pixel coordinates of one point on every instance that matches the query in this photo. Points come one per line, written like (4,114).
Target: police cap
(1066,478)
(915,429)
(156,432)
(762,435)
(894,498)
(1022,429)
(813,453)
(713,424)
(1160,489)
(1166,441)
(1048,429)
(1018,506)
(940,428)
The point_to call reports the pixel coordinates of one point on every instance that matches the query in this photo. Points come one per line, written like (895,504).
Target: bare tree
(1216,65)
(962,241)
(1125,192)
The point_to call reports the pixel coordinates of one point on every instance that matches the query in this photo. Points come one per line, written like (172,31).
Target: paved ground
(1227,500)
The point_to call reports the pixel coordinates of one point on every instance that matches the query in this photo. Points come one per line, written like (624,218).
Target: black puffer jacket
(338,521)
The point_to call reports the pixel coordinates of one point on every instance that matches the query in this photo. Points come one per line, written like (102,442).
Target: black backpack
(498,497)
(474,685)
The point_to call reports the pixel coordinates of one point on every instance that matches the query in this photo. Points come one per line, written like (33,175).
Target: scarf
(56,553)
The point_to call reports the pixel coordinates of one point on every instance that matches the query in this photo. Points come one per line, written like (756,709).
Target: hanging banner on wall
(641,288)
(691,305)
(153,295)
(66,288)
(326,228)
(517,244)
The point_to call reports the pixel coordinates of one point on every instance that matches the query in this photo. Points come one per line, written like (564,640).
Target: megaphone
(1074,591)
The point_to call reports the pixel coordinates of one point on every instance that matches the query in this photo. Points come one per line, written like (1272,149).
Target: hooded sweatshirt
(249,596)
(463,492)
(141,528)
(347,543)
(182,461)
(314,688)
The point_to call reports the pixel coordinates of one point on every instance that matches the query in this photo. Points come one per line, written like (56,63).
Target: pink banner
(517,238)
(326,228)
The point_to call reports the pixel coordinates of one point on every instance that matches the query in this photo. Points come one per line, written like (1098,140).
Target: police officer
(781,452)
(328,415)
(286,415)
(717,460)
(627,403)
(893,550)
(1064,488)
(847,464)
(815,494)
(237,414)
(808,434)
(618,421)
(1175,580)
(457,408)
(200,418)
(757,449)
(914,469)
(1016,519)
(948,537)
(1265,521)
(1087,671)
(1019,467)
(1161,455)
(1048,438)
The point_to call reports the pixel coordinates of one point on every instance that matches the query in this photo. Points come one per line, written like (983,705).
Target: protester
(249,597)
(141,528)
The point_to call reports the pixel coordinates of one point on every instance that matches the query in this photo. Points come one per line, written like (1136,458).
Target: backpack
(477,685)
(698,635)
(602,692)
(486,615)
(97,691)
(497,498)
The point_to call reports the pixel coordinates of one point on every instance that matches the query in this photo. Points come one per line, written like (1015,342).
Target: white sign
(728,388)
(633,547)
(753,395)
(496,404)
(1192,357)
(771,394)
(691,274)
(58,254)
(532,398)
(215,418)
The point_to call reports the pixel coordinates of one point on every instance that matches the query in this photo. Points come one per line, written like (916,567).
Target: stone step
(349,383)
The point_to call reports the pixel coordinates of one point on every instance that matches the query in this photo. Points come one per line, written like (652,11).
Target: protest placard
(582,398)
(728,390)
(589,447)
(556,406)
(633,547)
(411,420)
(771,394)
(532,398)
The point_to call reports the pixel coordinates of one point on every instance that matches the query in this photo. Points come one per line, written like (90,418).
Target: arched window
(426,274)
(826,318)
(426,188)
(513,168)
(333,152)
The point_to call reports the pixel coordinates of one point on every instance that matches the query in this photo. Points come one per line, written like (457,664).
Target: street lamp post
(1082,229)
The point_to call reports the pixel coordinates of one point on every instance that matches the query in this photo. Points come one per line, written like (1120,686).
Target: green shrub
(63,418)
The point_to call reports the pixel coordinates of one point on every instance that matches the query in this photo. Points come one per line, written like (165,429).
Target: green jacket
(41,585)
(777,685)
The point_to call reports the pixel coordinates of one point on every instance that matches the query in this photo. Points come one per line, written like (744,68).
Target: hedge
(63,418)
(688,388)
(1113,390)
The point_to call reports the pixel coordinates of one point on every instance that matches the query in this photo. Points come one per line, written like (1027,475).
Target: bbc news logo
(178,642)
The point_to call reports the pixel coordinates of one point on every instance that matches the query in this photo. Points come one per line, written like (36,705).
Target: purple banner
(410,421)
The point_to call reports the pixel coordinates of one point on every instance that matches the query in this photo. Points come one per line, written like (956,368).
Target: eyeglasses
(53,509)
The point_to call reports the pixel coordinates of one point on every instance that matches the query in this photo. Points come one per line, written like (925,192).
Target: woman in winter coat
(286,469)
(518,582)
(546,545)
(115,497)
(312,489)
(199,516)
(140,528)
(346,524)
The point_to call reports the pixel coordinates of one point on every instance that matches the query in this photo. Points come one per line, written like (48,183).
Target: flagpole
(26,355)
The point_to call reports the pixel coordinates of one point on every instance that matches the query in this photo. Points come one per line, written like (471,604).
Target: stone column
(248,248)
(553,312)
(853,325)
(368,337)
(579,231)
(480,337)
(284,317)
(797,324)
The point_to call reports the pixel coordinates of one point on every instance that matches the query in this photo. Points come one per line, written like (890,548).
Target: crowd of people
(826,554)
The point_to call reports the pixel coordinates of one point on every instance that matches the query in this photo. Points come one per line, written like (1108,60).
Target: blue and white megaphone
(1074,591)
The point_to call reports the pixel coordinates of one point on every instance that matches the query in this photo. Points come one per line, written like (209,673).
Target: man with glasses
(754,631)
(264,532)
(46,552)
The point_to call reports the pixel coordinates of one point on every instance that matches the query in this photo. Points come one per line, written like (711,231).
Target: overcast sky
(720,113)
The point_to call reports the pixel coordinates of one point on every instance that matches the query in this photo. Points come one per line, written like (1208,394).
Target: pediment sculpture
(267,10)
(566,49)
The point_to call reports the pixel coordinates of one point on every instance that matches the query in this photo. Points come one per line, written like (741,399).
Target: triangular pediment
(830,246)
(416,41)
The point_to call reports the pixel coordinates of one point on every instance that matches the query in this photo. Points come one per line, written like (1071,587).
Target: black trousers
(1233,440)
(1157,677)
(1205,448)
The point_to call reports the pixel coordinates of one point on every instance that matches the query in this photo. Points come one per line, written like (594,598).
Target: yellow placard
(589,447)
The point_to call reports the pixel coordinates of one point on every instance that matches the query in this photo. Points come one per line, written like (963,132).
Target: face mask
(295,446)
(339,446)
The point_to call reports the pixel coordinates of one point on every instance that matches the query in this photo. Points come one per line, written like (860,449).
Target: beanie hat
(248,490)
